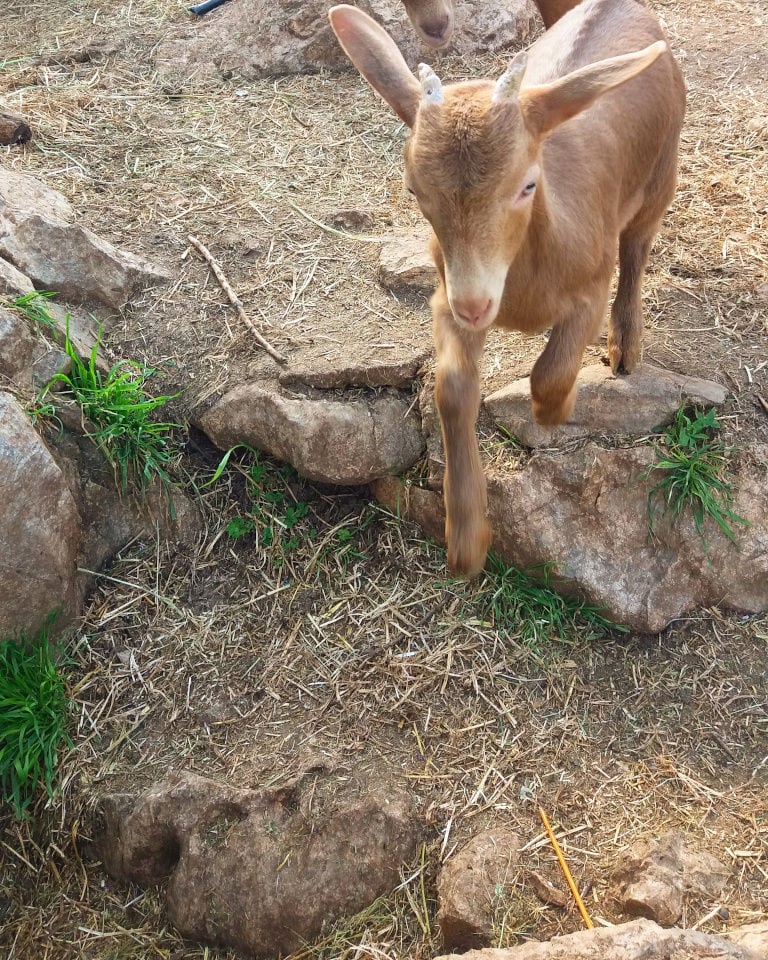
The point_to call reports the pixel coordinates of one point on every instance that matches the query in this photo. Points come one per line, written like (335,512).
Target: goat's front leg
(457,395)
(553,378)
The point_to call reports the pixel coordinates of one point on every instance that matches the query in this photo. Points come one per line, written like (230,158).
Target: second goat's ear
(547,106)
(375,54)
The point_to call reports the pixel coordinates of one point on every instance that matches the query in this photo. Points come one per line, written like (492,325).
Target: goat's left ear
(547,106)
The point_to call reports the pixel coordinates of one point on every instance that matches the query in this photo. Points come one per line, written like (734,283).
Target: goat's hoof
(623,360)
(466,555)
(549,415)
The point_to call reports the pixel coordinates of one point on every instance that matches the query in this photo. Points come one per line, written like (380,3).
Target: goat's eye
(528,189)
(412,192)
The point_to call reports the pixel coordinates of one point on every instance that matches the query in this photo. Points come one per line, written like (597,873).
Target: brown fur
(595,126)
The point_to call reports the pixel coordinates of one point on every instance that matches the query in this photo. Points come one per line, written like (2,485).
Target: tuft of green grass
(33,719)
(693,463)
(522,603)
(118,417)
(32,305)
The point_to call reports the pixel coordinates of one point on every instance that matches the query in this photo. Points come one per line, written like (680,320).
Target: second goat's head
(473,160)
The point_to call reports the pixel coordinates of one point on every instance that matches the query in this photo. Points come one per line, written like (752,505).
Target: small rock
(405,265)
(633,405)
(327,440)
(546,892)
(638,940)
(655,877)
(353,221)
(261,871)
(470,883)
(39,237)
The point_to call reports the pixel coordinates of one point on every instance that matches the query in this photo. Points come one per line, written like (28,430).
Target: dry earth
(219,660)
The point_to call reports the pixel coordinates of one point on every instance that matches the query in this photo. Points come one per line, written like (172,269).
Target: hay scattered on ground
(216,660)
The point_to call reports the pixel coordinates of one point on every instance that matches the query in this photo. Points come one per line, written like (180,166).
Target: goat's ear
(376,56)
(547,106)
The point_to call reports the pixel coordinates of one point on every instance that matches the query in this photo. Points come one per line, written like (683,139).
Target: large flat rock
(633,405)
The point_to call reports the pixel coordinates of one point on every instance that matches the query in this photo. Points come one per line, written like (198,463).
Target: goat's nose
(436,28)
(472,310)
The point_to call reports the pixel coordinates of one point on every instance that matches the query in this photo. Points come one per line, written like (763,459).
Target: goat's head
(473,157)
(432,20)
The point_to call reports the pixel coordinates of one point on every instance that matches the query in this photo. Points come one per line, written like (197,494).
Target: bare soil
(239,662)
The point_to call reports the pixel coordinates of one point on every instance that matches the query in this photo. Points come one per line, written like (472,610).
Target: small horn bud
(509,83)
(431,87)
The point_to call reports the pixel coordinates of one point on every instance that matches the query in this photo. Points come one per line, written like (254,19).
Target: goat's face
(432,19)
(473,167)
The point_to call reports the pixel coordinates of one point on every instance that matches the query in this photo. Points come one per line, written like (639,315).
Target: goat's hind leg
(457,395)
(625,334)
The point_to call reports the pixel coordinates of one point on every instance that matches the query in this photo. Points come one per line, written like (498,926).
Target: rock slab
(342,441)
(41,240)
(260,38)
(634,405)
(639,940)
(471,883)
(39,527)
(261,871)
(406,266)
(588,513)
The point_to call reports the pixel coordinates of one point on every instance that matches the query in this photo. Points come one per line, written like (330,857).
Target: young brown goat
(530,185)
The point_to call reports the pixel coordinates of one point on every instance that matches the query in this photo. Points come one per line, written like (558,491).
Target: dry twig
(236,302)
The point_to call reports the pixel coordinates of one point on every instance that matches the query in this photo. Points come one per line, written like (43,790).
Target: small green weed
(281,522)
(117,413)
(522,602)
(694,465)
(33,719)
(32,305)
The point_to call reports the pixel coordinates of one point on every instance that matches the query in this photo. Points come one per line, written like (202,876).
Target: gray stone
(261,38)
(39,237)
(19,348)
(751,936)
(639,940)
(634,405)
(333,441)
(39,528)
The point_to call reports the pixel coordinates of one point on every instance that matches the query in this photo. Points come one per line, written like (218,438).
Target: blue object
(201,8)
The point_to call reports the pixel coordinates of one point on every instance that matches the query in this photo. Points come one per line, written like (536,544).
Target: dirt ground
(218,659)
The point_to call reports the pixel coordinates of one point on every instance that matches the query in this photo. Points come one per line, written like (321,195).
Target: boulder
(39,237)
(343,441)
(261,871)
(39,528)
(261,38)
(471,884)
(751,936)
(405,265)
(606,404)
(655,877)
(19,346)
(587,512)
(13,283)
(639,940)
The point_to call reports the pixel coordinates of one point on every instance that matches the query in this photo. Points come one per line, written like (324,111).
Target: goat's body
(532,186)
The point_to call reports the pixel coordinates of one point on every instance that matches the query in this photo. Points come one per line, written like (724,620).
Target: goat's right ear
(376,56)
